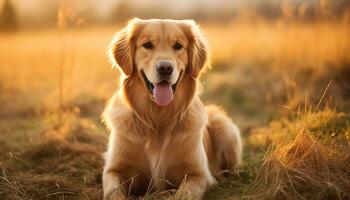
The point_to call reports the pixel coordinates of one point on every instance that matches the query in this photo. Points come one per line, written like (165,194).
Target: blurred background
(43,14)
(53,52)
(271,59)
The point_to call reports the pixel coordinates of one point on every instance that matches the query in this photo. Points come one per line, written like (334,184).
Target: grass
(312,162)
(57,162)
(269,77)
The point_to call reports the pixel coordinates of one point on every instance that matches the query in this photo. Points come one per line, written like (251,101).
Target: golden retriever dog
(162,137)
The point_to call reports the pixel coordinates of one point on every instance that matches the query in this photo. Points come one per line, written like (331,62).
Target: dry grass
(66,162)
(311,45)
(262,73)
(311,163)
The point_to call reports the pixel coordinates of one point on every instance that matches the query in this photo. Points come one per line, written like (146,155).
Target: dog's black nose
(164,68)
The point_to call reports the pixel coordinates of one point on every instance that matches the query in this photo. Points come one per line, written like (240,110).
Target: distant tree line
(270,10)
(304,10)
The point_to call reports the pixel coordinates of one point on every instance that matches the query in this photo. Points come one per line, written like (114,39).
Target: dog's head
(161,53)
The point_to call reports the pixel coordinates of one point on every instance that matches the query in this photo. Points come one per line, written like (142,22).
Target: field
(286,85)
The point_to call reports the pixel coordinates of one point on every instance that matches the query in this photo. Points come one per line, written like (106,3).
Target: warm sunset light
(280,70)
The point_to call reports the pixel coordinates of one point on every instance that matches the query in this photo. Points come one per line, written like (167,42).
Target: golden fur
(183,145)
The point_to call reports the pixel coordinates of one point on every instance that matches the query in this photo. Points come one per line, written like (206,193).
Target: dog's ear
(121,51)
(198,52)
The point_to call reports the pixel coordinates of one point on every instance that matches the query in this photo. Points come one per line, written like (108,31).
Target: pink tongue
(163,94)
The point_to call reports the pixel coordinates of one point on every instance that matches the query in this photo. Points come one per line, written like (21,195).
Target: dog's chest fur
(157,151)
(161,149)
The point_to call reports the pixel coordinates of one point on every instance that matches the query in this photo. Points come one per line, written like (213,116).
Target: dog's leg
(123,181)
(189,170)
(125,172)
(225,139)
(113,190)
(192,187)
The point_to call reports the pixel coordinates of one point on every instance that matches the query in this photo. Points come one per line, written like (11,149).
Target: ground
(286,85)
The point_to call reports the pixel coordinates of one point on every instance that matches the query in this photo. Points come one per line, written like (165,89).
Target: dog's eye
(177,46)
(148,45)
